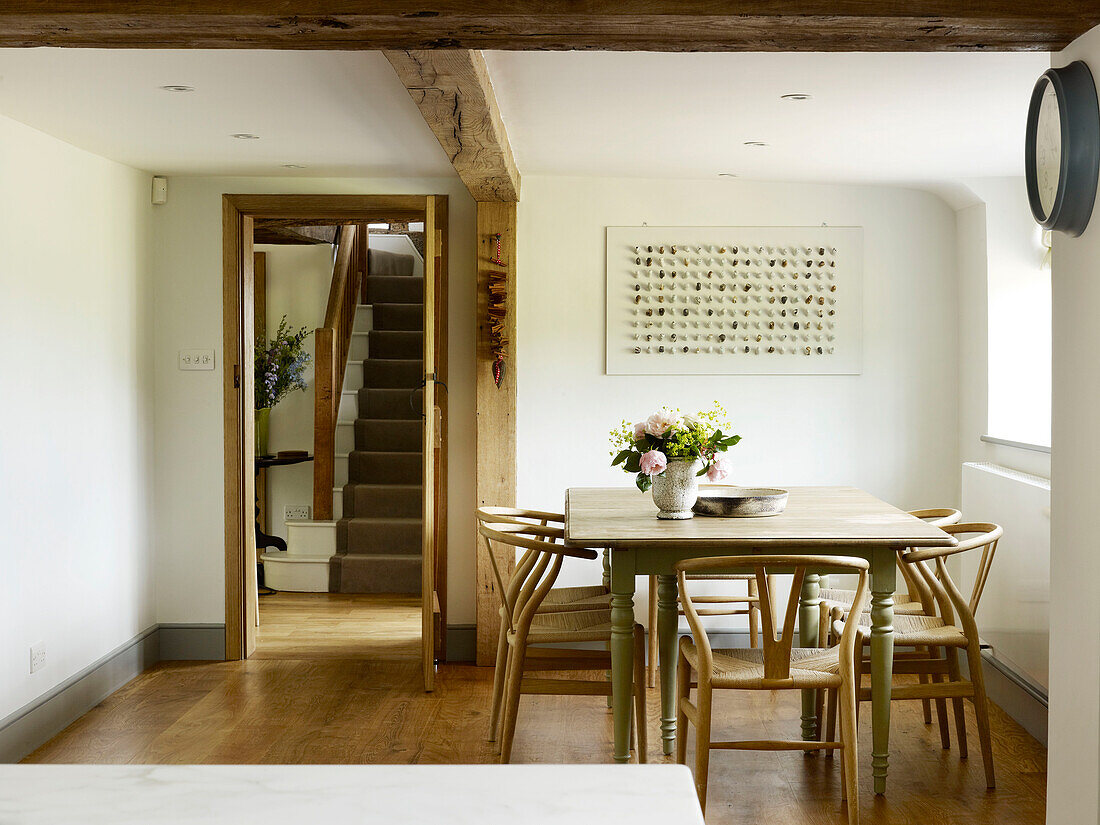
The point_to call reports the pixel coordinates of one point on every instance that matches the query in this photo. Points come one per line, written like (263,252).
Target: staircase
(379,532)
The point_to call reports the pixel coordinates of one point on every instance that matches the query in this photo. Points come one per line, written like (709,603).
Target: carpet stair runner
(378,540)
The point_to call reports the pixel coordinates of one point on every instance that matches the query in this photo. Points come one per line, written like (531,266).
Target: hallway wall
(76,423)
(188,313)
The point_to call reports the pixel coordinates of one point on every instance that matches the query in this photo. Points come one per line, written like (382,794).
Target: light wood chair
(775,666)
(916,601)
(595,597)
(954,628)
(747,604)
(531,621)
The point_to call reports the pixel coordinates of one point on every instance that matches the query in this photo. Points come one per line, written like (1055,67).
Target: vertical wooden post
(259,270)
(496,408)
(325,407)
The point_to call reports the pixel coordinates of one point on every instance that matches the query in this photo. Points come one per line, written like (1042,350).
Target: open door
(429,596)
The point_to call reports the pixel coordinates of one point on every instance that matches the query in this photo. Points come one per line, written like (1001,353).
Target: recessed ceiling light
(755,143)
(293,166)
(175,88)
(797,96)
(245,136)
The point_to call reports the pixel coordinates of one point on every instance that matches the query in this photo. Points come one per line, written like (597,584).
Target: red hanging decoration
(497,283)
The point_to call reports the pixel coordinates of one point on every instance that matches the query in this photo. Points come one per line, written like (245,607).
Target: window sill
(1019,445)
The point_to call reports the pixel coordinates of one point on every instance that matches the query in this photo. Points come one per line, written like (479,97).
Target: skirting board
(1014,695)
(39,720)
(461,643)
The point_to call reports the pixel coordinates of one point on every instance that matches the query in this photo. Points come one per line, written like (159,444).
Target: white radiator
(1014,613)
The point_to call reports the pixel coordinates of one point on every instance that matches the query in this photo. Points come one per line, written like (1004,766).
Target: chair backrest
(536,570)
(776,646)
(914,582)
(938,516)
(515,571)
(979,535)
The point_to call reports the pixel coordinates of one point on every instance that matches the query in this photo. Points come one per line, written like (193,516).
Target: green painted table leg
(667,623)
(883,582)
(622,649)
(607,584)
(808,617)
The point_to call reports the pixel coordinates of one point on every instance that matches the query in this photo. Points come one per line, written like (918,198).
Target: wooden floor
(336,680)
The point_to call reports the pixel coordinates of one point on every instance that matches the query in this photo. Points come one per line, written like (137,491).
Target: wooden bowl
(728,501)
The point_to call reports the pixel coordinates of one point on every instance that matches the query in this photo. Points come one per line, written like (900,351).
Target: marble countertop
(346,794)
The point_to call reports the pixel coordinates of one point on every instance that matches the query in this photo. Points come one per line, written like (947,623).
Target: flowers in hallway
(280,365)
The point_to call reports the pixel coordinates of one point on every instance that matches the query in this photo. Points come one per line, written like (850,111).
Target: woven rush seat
(811,667)
(904,605)
(577,626)
(927,631)
(596,596)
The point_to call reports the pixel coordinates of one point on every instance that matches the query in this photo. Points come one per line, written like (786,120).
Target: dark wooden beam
(453,91)
(271,232)
(648,25)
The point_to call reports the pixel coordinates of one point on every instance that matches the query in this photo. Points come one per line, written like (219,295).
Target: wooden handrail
(333,343)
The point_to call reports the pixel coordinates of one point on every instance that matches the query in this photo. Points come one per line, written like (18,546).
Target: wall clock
(1062,152)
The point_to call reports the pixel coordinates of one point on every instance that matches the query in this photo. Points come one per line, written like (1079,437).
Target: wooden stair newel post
(325,403)
(496,405)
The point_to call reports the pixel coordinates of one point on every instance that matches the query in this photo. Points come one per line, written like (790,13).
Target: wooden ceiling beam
(282,233)
(453,91)
(610,25)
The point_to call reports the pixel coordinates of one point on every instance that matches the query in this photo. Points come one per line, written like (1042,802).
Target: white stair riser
(364,318)
(311,538)
(360,347)
(300,576)
(353,376)
(345,437)
(349,407)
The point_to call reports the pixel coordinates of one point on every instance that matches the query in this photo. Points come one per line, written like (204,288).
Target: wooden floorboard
(336,679)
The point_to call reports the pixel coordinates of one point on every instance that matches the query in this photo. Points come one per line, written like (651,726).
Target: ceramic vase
(262,415)
(676,489)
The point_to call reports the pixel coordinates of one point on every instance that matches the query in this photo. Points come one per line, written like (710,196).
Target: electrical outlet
(296,512)
(196,359)
(38,656)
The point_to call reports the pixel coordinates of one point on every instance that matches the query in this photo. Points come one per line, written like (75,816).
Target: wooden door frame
(238,301)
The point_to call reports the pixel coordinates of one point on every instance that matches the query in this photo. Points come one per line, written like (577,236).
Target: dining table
(841,521)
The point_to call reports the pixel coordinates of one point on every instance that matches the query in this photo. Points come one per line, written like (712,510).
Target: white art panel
(734,299)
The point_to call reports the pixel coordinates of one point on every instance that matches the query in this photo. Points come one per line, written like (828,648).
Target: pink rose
(653,463)
(639,431)
(719,470)
(659,423)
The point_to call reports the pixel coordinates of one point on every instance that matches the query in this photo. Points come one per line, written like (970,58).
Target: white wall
(76,433)
(298,280)
(1073,761)
(999,253)
(189,472)
(891,430)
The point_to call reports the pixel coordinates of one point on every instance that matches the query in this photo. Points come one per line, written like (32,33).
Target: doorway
(241,215)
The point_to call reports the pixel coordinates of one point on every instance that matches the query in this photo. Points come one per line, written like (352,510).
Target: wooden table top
(623,517)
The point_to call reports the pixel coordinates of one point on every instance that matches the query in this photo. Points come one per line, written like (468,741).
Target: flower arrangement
(280,365)
(645,448)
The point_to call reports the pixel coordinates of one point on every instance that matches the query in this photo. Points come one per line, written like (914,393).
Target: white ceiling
(337,113)
(901,118)
(920,119)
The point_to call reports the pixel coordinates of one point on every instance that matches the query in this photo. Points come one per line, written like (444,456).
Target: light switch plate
(196,359)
